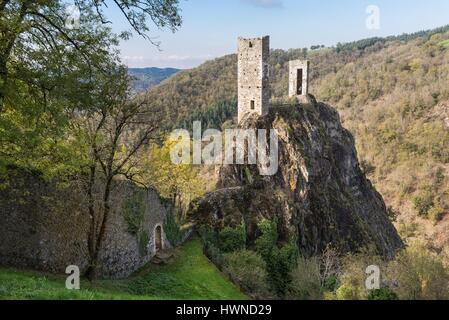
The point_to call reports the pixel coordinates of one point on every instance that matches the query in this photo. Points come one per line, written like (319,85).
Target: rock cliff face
(319,195)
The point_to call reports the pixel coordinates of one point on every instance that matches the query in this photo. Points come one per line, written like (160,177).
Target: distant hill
(146,78)
(392,94)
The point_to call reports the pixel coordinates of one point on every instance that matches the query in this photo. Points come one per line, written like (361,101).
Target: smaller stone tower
(253,78)
(298,84)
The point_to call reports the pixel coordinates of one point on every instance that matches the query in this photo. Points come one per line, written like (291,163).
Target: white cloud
(265,3)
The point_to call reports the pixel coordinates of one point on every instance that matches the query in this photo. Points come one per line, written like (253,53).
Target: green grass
(190,276)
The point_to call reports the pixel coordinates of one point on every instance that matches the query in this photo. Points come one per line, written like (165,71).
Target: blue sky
(211,27)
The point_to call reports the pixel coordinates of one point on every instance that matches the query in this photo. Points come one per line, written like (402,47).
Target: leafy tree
(420,274)
(64,96)
(43,23)
(248,270)
(115,129)
(48,70)
(280,260)
(172,229)
(180,183)
(232,239)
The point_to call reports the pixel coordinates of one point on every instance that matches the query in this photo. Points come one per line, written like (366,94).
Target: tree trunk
(94,269)
(92,236)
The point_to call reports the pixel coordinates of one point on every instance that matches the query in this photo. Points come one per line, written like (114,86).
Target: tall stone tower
(298,83)
(253,77)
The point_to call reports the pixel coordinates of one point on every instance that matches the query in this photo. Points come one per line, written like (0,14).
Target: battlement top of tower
(253,39)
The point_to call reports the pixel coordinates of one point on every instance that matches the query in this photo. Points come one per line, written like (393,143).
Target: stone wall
(253,76)
(45,227)
(294,67)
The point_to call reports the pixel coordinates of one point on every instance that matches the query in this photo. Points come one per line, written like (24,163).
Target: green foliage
(423,203)
(436,213)
(347,292)
(420,275)
(212,117)
(280,260)
(444,43)
(179,183)
(383,294)
(232,239)
(366,43)
(392,214)
(367,167)
(190,276)
(267,241)
(145,78)
(280,263)
(214,254)
(143,241)
(330,284)
(54,76)
(15,285)
(172,229)
(248,270)
(306,280)
(134,211)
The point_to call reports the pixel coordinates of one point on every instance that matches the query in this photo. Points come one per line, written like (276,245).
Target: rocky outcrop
(319,195)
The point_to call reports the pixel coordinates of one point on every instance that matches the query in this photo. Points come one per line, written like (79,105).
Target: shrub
(133,211)
(347,291)
(330,284)
(172,230)
(392,214)
(248,270)
(306,280)
(420,275)
(144,238)
(436,213)
(367,167)
(268,238)
(382,294)
(353,279)
(279,265)
(280,261)
(423,203)
(214,254)
(232,239)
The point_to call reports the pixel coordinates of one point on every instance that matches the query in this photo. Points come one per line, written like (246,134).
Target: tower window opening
(299,82)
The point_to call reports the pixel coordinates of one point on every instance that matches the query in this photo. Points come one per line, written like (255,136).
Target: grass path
(190,276)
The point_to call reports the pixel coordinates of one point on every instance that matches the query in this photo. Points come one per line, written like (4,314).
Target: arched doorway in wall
(158,238)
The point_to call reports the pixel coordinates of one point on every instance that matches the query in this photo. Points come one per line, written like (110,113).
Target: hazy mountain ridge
(146,78)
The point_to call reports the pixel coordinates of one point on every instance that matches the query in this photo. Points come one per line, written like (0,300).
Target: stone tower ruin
(298,83)
(253,77)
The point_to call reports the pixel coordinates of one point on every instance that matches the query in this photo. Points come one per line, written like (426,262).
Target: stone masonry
(253,78)
(298,83)
(44,227)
